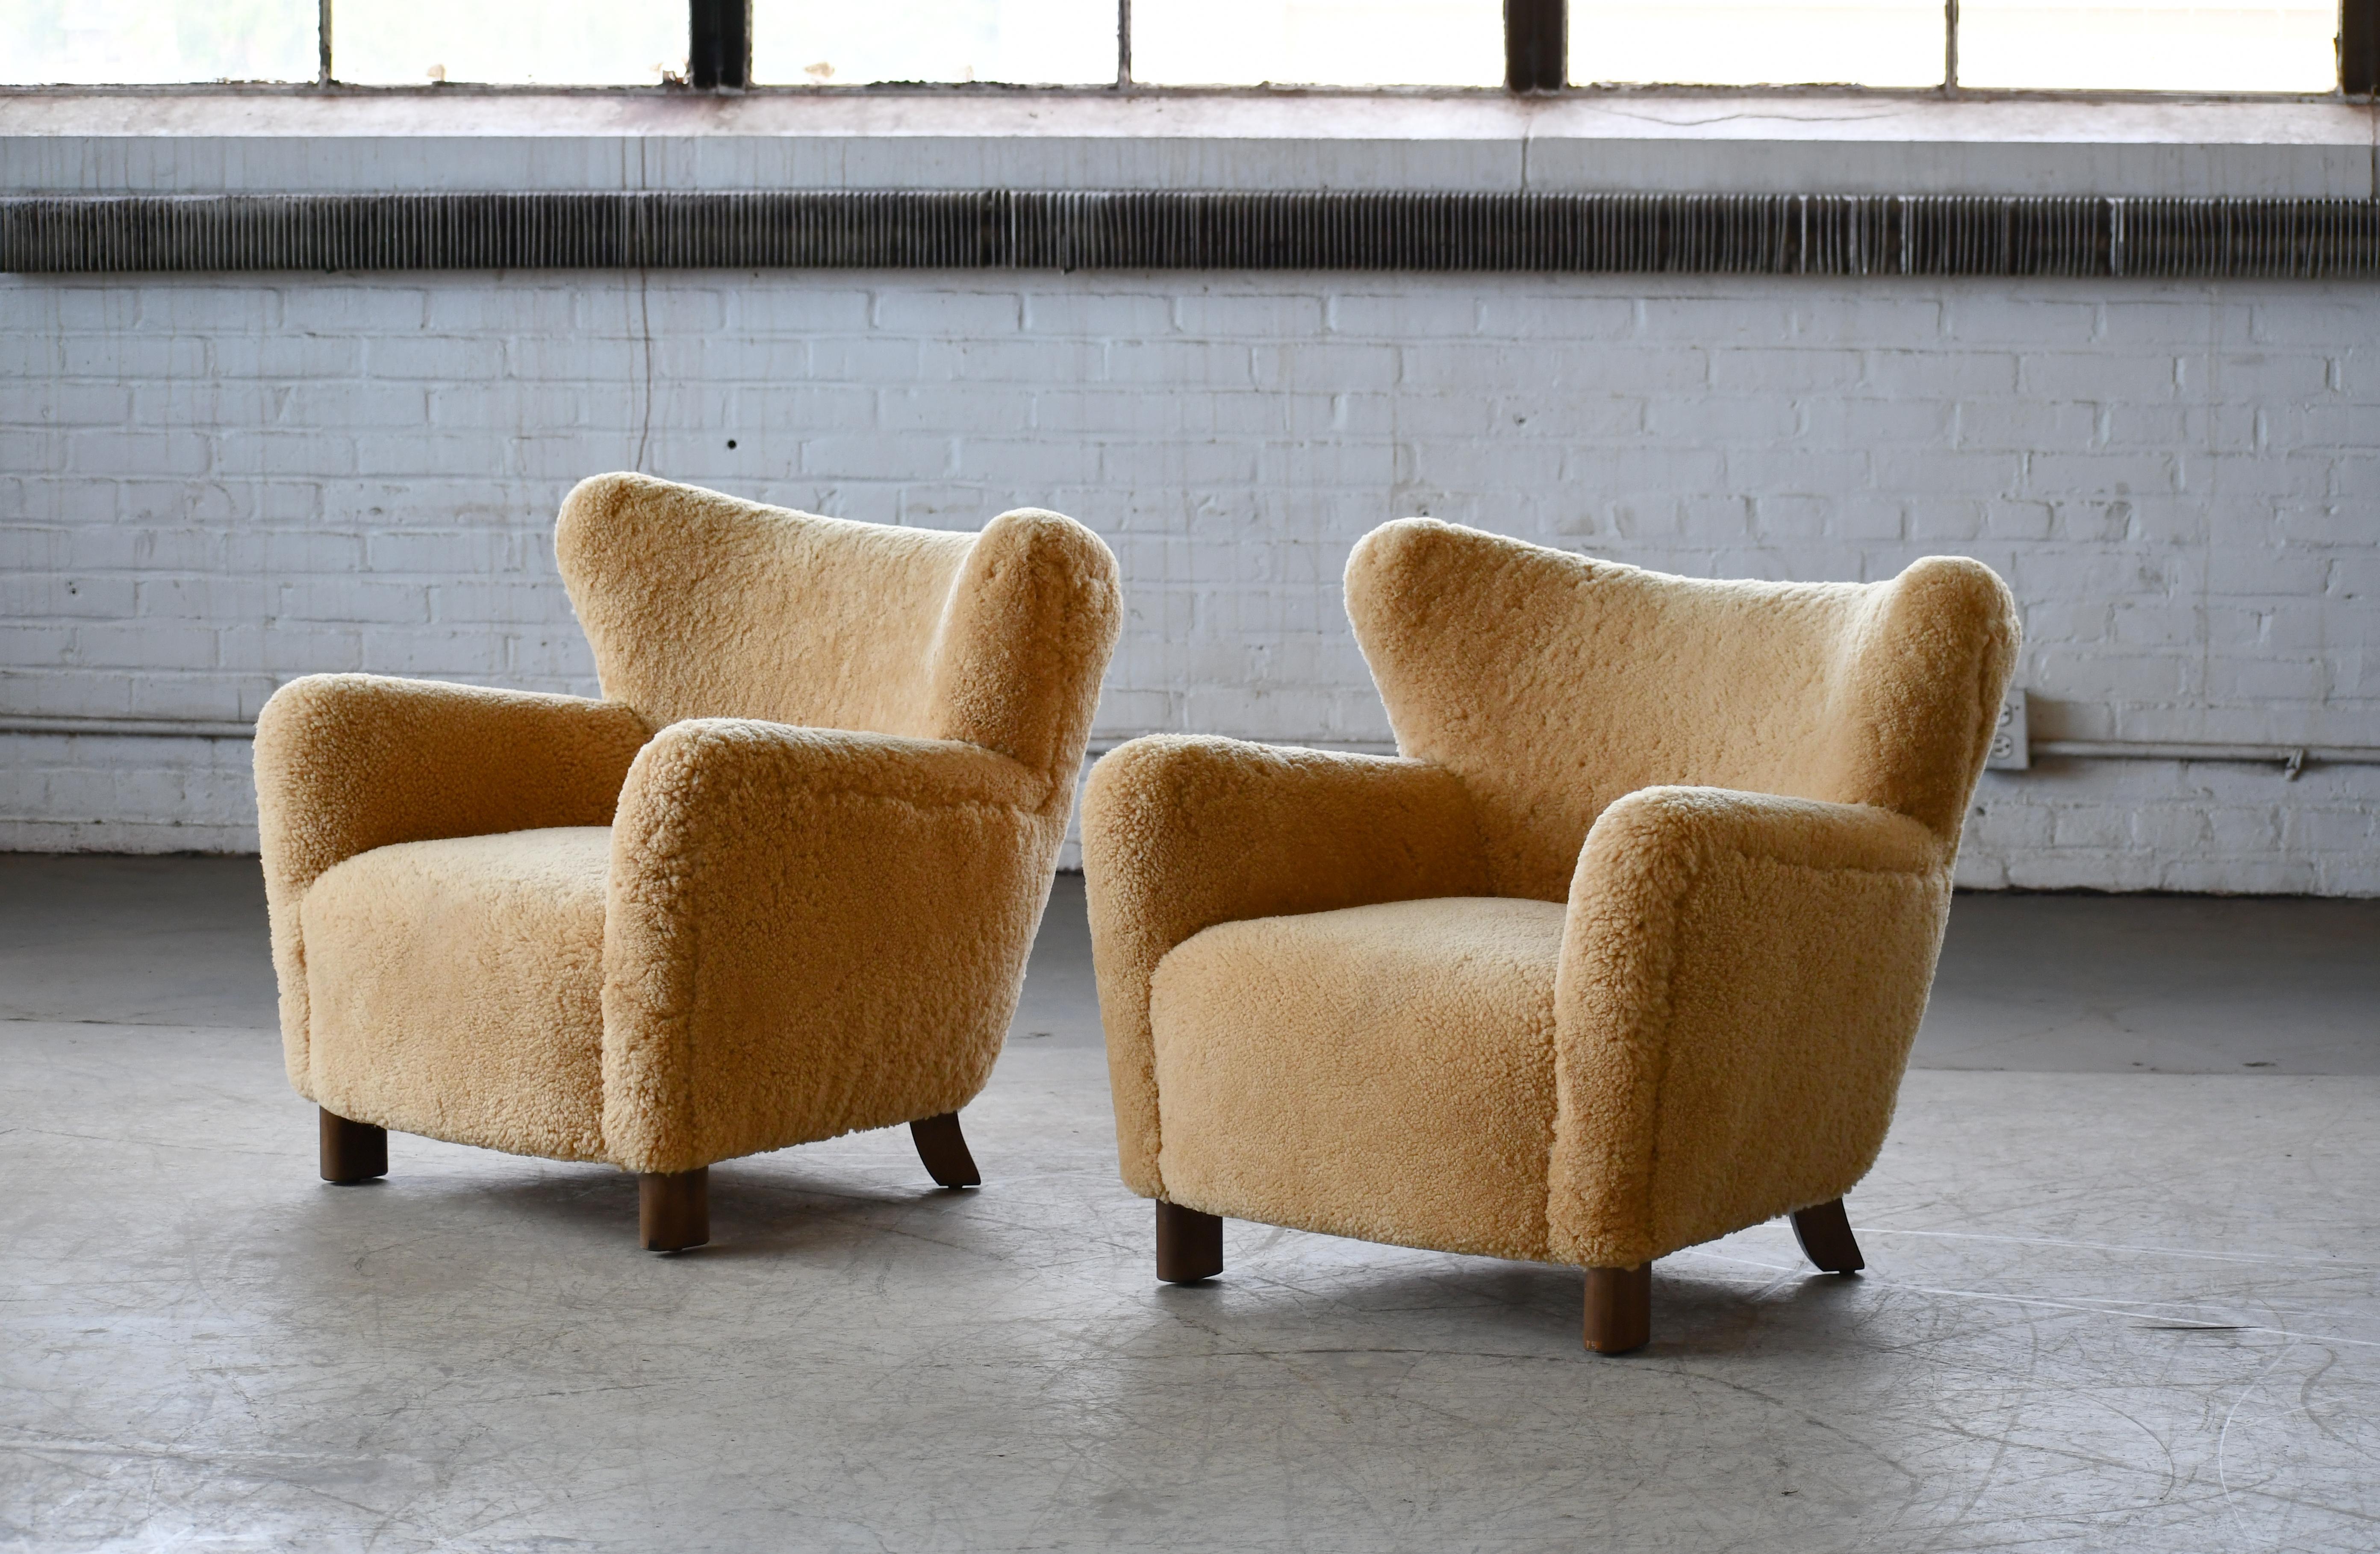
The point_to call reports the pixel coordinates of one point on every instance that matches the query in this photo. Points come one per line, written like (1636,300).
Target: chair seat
(1381,1071)
(455,989)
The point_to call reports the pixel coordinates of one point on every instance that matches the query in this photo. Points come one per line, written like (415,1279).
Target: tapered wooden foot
(1189,1245)
(943,1148)
(674,1209)
(1619,1308)
(352,1151)
(1825,1233)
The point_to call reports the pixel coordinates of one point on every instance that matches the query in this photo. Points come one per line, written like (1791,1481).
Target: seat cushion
(455,989)
(1381,1072)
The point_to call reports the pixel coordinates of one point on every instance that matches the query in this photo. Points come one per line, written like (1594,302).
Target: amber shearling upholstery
(776,885)
(1625,949)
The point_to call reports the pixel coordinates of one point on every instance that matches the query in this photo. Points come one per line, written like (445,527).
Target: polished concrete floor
(2123,1293)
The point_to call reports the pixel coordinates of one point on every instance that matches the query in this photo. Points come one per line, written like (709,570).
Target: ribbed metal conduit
(1709,234)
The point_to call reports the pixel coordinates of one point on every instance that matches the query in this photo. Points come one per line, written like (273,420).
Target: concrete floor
(2124,1293)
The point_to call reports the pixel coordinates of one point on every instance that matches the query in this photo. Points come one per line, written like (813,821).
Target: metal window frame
(1536,45)
(2359,48)
(719,45)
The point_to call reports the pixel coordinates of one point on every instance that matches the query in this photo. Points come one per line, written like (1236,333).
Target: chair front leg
(1619,1308)
(674,1209)
(1189,1245)
(351,1151)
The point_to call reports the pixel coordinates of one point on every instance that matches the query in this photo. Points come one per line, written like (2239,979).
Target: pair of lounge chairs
(1625,951)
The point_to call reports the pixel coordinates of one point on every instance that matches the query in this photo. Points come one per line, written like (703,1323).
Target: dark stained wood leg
(352,1151)
(1619,1308)
(1825,1233)
(1189,1245)
(674,1209)
(943,1148)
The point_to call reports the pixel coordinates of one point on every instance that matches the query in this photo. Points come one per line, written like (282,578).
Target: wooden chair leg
(1189,1245)
(674,1209)
(351,1151)
(1825,1233)
(1619,1308)
(943,1148)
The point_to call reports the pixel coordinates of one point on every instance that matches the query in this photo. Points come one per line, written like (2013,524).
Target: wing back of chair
(700,606)
(1554,684)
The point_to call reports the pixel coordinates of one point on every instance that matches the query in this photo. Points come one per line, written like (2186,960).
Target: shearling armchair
(778,885)
(1625,951)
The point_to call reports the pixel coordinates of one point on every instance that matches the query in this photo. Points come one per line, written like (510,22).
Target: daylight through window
(75,42)
(2025,45)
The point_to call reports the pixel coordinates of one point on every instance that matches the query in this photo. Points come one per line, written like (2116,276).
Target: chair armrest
(1180,834)
(348,763)
(1741,976)
(808,932)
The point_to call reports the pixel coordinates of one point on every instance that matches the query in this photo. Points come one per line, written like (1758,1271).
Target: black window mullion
(2358,47)
(1536,45)
(719,43)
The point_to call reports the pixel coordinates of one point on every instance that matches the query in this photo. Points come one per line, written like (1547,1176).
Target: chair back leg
(945,1151)
(1825,1233)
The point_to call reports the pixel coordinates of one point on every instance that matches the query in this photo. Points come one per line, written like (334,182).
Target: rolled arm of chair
(348,763)
(809,932)
(1741,977)
(1180,834)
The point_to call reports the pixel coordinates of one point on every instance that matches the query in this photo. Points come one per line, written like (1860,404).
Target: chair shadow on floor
(1496,1306)
(763,1206)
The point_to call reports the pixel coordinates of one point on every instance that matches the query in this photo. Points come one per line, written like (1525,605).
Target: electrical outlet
(2011,743)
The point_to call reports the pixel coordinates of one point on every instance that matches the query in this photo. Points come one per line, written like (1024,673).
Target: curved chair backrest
(700,606)
(1553,684)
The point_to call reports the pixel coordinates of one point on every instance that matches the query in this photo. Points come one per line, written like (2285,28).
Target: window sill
(234,142)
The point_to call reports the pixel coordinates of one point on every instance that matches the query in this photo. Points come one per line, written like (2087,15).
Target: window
(835,42)
(1318,42)
(509,42)
(2279,46)
(2146,45)
(1751,42)
(142,42)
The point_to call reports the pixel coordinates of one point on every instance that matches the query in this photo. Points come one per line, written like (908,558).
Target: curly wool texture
(1410,1104)
(1738,804)
(492,948)
(778,885)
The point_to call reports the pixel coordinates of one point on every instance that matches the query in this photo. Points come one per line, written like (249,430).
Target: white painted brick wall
(209,485)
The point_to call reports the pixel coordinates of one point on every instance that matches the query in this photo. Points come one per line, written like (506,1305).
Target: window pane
(61,42)
(837,43)
(1319,43)
(2147,45)
(1759,42)
(507,42)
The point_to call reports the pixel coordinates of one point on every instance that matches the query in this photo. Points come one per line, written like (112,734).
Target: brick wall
(209,485)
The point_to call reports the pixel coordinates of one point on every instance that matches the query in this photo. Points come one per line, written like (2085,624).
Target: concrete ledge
(66,142)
